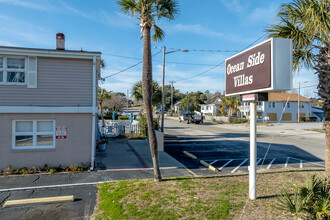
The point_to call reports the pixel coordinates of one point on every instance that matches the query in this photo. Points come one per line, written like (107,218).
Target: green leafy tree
(156,92)
(177,96)
(148,12)
(307,23)
(193,99)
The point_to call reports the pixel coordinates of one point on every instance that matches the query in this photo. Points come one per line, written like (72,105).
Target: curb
(39,200)
(210,167)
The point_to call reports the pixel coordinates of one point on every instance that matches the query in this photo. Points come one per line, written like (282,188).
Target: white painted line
(234,170)
(213,162)
(225,164)
(259,161)
(53,186)
(286,163)
(270,164)
(301,163)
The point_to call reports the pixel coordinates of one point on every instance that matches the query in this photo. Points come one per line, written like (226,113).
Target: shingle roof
(293,97)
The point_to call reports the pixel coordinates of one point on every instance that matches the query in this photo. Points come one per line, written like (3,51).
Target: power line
(128,67)
(208,70)
(209,51)
(159,61)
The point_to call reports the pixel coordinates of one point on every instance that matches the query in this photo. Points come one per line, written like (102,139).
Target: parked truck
(189,116)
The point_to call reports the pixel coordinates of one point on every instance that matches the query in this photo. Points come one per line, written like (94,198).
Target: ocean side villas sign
(262,68)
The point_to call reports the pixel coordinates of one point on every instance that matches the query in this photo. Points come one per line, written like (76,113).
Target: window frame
(5,70)
(34,134)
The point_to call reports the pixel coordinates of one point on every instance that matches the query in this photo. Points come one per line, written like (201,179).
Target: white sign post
(253,152)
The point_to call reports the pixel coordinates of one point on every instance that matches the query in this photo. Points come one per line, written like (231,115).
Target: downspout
(93,114)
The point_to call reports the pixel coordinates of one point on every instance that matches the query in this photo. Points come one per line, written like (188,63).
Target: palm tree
(307,22)
(156,92)
(148,11)
(230,103)
(102,95)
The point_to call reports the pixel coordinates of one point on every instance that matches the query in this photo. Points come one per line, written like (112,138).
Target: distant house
(273,108)
(48,102)
(207,109)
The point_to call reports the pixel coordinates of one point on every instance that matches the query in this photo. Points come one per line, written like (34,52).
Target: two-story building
(276,105)
(48,106)
(210,109)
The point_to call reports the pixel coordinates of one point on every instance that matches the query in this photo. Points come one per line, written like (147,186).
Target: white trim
(38,109)
(34,134)
(5,71)
(47,53)
(94,110)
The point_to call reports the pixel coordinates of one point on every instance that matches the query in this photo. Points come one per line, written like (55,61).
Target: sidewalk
(122,160)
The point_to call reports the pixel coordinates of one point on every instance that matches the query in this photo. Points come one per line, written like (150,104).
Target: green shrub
(239,121)
(308,202)
(144,127)
(123,118)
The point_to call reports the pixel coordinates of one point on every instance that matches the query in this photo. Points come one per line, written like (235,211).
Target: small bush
(144,126)
(308,202)
(123,117)
(239,121)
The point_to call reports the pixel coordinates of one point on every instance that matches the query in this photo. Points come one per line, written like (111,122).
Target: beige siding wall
(61,82)
(73,150)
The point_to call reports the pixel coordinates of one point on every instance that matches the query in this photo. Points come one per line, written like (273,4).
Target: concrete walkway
(122,160)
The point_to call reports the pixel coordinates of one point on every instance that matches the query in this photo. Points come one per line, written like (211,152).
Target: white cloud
(21,31)
(117,19)
(196,29)
(234,5)
(76,11)
(42,5)
(262,15)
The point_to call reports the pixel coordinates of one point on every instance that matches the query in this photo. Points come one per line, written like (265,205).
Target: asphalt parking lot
(227,147)
(81,208)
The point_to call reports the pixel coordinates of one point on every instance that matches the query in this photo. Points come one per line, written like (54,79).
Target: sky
(207,29)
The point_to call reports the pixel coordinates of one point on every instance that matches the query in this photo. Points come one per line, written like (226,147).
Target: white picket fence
(114,128)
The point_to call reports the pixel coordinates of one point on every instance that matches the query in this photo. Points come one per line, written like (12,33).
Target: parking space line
(270,164)
(286,163)
(214,162)
(259,161)
(234,170)
(225,164)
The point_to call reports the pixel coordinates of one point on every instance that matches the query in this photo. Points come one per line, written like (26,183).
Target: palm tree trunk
(323,69)
(101,111)
(147,99)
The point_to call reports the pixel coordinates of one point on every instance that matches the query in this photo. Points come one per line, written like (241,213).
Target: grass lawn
(215,197)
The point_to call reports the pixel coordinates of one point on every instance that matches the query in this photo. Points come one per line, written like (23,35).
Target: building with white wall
(277,104)
(207,109)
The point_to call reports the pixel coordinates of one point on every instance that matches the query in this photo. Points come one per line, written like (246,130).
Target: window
(12,70)
(36,134)
(302,105)
(287,105)
(273,104)
(269,104)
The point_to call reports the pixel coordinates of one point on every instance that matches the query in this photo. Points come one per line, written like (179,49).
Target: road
(226,147)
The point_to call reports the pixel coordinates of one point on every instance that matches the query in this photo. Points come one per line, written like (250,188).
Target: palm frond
(129,6)
(166,9)
(158,34)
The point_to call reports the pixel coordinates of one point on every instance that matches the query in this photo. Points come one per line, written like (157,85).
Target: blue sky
(99,25)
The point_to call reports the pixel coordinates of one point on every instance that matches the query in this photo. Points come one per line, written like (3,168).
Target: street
(226,146)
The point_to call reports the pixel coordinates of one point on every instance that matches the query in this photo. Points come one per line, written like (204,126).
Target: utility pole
(298,101)
(163,91)
(172,94)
